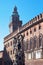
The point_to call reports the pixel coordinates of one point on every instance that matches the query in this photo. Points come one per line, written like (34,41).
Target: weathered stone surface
(34,62)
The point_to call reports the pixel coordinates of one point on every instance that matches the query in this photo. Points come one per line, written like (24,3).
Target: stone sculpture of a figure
(19,51)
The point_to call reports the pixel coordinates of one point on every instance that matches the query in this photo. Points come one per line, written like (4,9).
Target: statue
(19,51)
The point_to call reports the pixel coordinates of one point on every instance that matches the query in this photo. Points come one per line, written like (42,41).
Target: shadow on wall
(6,58)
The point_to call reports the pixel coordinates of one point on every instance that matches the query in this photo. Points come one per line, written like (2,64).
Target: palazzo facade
(33,37)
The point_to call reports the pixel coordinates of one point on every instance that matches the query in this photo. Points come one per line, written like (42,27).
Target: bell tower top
(15,22)
(15,15)
(15,9)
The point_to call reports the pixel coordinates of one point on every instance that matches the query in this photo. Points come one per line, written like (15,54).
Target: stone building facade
(33,37)
(1,58)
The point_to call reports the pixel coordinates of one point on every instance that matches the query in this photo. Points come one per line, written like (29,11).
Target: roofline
(32,21)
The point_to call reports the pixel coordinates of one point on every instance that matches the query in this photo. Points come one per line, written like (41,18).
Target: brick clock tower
(15,23)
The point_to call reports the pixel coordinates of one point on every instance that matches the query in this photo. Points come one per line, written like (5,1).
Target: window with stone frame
(39,26)
(31,42)
(27,44)
(35,41)
(11,43)
(34,29)
(27,33)
(30,31)
(40,39)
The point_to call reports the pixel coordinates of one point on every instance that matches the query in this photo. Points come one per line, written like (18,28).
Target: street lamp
(19,50)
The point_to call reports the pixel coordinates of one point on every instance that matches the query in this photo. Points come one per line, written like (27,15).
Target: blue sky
(27,10)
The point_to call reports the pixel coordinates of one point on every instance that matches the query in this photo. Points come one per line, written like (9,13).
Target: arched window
(40,39)
(11,43)
(27,33)
(31,42)
(35,41)
(27,42)
(30,31)
(39,26)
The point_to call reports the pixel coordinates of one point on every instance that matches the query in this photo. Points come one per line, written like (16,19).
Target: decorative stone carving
(31,43)
(40,39)
(35,41)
